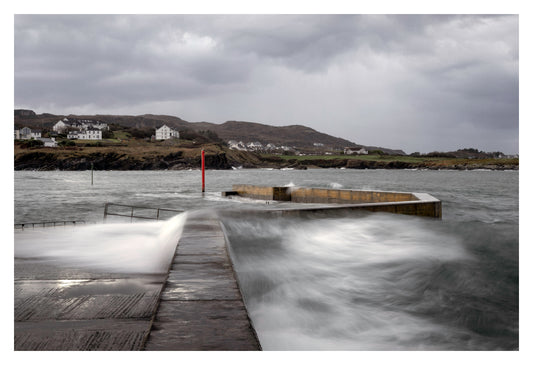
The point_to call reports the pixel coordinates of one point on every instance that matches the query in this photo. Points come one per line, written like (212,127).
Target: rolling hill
(293,135)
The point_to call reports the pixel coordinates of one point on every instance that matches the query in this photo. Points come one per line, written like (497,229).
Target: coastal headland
(104,142)
(181,155)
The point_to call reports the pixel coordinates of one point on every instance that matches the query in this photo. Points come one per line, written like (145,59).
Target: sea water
(357,282)
(377,282)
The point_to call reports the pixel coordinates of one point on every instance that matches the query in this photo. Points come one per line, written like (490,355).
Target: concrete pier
(197,306)
(421,204)
(201,306)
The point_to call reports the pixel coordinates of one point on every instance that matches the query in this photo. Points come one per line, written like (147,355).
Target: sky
(419,83)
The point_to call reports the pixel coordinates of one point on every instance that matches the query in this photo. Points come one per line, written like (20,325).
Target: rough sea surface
(356,282)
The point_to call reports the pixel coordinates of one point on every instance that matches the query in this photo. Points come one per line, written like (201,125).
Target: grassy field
(134,148)
(409,159)
(429,161)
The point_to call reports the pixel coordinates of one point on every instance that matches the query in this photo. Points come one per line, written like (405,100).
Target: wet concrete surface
(58,308)
(201,306)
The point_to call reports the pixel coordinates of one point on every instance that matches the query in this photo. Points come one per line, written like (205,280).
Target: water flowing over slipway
(359,282)
(146,247)
(376,282)
(366,282)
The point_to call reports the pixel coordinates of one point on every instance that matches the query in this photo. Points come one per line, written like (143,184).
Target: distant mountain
(294,135)
(25,113)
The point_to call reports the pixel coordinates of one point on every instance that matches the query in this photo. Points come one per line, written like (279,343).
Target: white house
(48,142)
(86,124)
(90,133)
(166,132)
(27,133)
(255,145)
(352,151)
(35,133)
(93,133)
(61,126)
(234,145)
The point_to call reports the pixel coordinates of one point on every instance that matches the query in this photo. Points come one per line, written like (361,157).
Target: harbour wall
(421,204)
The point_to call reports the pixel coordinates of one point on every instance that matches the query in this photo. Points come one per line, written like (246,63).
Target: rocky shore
(430,165)
(221,160)
(115,161)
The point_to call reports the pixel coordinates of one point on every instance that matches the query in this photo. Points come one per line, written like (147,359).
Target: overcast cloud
(418,83)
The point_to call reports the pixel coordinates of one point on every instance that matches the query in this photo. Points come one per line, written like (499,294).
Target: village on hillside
(71,129)
(78,143)
(68,130)
(81,129)
(84,129)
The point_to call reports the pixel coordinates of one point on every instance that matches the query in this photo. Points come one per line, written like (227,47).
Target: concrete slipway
(197,305)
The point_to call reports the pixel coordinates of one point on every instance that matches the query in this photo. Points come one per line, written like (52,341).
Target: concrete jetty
(201,306)
(321,199)
(196,306)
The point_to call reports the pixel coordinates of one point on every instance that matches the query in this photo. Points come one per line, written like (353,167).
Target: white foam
(116,247)
(326,284)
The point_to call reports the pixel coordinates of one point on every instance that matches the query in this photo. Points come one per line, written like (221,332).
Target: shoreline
(478,169)
(220,158)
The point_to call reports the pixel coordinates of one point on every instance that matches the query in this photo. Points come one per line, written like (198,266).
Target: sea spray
(460,304)
(376,282)
(145,247)
(291,187)
(335,185)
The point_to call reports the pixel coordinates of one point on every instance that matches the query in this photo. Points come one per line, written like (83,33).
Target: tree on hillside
(205,136)
(66,142)
(107,134)
(141,133)
(29,143)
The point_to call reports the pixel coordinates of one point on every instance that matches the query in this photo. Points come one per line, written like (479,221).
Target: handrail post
(105,211)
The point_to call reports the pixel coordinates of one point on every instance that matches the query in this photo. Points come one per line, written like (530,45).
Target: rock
(217,162)
(361,164)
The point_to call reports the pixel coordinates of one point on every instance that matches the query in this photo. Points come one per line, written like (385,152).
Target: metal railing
(47,224)
(131,211)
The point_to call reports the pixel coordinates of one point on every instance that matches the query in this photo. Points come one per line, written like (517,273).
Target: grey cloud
(435,73)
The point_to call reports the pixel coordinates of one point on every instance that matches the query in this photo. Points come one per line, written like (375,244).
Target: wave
(377,282)
(118,247)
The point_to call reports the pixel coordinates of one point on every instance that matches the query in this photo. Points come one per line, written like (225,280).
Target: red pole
(203,171)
